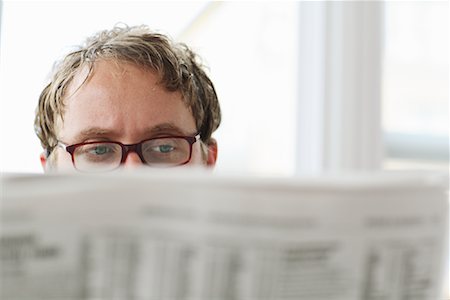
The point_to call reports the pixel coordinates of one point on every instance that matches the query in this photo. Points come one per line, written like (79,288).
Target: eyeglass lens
(105,156)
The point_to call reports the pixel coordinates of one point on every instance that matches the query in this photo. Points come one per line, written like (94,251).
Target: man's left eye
(164,148)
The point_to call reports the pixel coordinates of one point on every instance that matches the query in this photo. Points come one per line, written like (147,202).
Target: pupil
(165,148)
(100,150)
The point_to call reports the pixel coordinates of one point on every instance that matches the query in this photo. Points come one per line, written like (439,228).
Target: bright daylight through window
(416,85)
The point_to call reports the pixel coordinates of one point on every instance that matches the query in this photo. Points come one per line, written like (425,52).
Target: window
(415,85)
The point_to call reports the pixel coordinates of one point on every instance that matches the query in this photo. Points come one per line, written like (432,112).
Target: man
(128,97)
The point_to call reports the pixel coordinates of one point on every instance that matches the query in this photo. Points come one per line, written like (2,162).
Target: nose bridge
(131,155)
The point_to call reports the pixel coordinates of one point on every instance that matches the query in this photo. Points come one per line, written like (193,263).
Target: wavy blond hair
(180,70)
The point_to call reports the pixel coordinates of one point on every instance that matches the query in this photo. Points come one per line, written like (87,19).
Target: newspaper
(194,236)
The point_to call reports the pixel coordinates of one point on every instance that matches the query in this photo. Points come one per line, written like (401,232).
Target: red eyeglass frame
(127,148)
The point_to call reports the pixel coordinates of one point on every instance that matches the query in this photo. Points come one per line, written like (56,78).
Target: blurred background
(305,87)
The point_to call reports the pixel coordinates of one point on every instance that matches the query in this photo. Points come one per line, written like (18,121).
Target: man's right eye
(100,150)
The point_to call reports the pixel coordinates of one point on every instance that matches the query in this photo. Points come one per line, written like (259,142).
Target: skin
(122,102)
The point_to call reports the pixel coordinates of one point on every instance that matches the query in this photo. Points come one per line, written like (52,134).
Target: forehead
(110,70)
(122,98)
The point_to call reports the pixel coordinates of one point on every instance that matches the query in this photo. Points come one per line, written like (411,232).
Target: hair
(179,68)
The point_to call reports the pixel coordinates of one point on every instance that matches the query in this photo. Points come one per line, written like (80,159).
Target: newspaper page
(196,236)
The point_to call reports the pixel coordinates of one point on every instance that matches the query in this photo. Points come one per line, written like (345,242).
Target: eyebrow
(165,128)
(99,132)
(94,132)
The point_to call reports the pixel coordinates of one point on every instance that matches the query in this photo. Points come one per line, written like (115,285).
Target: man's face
(124,103)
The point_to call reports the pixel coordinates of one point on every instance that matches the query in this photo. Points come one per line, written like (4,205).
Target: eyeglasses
(99,156)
